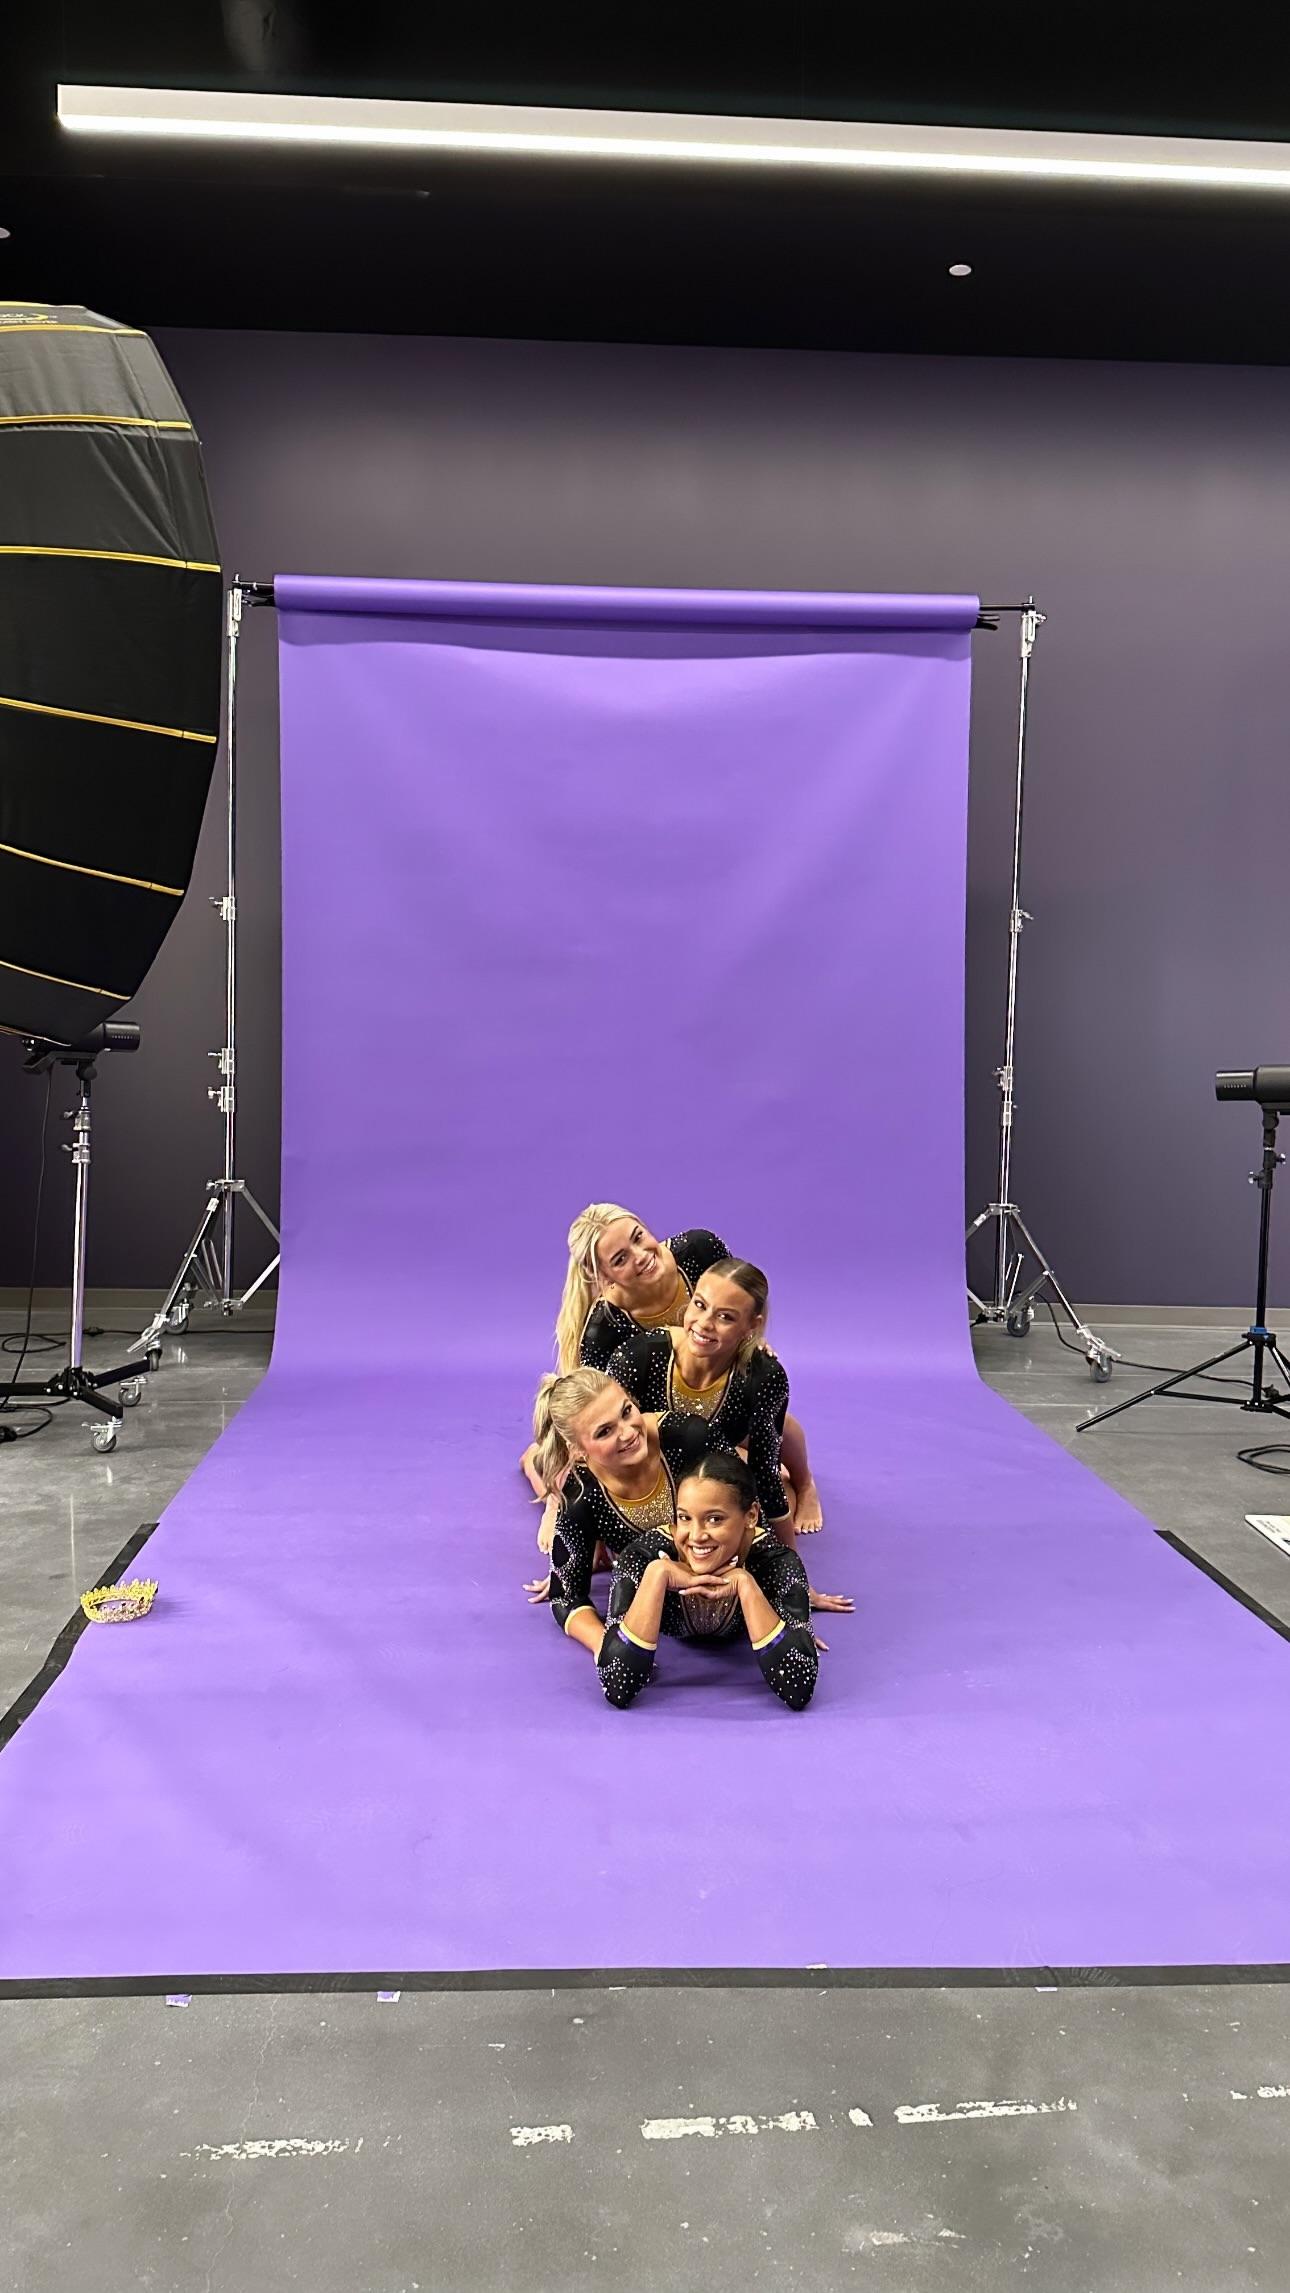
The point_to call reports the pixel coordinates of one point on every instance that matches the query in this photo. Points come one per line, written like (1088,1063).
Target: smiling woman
(719,1575)
(611,1473)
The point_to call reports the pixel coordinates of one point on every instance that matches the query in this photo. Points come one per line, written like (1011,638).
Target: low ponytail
(559,1403)
(582,1279)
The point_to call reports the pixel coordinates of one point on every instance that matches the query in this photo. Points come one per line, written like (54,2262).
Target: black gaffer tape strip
(1216,1575)
(647,1978)
(25,1704)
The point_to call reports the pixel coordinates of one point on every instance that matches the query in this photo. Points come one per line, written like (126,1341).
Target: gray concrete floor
(1095,2140)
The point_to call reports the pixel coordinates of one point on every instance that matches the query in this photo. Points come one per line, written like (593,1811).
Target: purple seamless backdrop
(627,917)
(723,873)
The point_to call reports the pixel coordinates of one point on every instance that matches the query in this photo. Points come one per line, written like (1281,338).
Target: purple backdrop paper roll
(532,603)
(670,911)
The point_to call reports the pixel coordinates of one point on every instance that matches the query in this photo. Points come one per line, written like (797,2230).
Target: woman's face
(610,1433)
(711,1524)
(628,1257)
(718,1318)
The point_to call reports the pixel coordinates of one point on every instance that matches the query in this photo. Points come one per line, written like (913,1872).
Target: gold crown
(119,1603)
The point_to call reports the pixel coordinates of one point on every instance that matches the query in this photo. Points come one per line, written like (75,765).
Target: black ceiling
(240,237)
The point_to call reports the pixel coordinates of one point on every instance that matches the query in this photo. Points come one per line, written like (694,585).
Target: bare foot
(810,1513)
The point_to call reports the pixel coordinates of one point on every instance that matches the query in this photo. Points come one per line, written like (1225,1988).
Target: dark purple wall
(1148,508)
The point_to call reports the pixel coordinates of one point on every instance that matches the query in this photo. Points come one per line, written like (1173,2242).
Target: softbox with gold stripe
(110,649)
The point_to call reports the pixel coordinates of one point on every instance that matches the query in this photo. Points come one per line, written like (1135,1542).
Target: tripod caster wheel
(103,1437)
(153,1357)
(177,1321)
(1019,1320)
(131,1392)
(1100,1366)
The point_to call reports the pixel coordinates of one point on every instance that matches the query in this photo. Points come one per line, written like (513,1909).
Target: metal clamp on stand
(74,1382)
(207,1264)
(1022,1274)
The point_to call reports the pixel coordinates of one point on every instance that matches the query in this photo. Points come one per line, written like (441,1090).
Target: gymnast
(715,1366)
(621,1278)
(612,1473)
(716,1576)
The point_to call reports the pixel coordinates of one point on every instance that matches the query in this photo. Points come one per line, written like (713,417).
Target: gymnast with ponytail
(611,1473)
(714,1364)
(620,1279)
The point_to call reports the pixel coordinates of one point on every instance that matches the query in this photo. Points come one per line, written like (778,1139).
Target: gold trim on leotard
(694,1400)
(662,1317)
(655,1510)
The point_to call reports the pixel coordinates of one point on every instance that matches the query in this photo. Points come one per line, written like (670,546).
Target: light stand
(1258,1338)
(1012,1300)
(207,1266)
(74,1382)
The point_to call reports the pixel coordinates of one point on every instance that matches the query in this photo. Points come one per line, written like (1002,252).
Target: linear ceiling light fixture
(839,145)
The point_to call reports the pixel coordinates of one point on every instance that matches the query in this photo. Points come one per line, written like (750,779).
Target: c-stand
(74,1382)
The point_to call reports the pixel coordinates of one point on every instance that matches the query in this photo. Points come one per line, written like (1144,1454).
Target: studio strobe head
(1266,1086)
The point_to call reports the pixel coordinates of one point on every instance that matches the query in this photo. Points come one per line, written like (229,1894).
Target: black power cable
(1165,1369)
(1253,1456)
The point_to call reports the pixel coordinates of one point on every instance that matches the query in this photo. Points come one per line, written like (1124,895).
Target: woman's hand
(538,1590)
(674,1576)
(837,1603)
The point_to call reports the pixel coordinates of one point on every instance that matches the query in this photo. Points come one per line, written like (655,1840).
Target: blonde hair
(560,1402)
(751,1280)
(582,1281)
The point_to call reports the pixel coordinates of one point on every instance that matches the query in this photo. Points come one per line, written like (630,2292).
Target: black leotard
(751,1411)
(606,1325)
(589,1517)
(788,1659)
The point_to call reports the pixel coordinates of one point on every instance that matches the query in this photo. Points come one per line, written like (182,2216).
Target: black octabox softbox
(110,648)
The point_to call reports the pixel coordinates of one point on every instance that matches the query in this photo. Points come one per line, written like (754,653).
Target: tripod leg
(1166,1385)
(1093,1343)
(261,1214)
(1275,1354)
(260,1280)
(157,1326)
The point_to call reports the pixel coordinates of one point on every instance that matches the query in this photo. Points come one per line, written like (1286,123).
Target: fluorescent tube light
(837,145)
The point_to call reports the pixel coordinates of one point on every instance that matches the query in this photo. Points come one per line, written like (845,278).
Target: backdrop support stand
(1016,1253)
(207,1264)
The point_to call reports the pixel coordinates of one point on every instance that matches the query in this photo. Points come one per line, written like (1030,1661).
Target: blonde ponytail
(560,1402)
(582,1279)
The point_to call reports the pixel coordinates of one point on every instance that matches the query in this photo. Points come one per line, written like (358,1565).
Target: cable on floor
(1165,1369)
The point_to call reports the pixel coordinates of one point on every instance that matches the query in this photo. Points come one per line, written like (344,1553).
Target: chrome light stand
(206,1268)
(1017,1255)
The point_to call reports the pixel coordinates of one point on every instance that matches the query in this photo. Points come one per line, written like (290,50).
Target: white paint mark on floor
(864,2238)
(278,2146)
(737,2122)
(932,2113)
(1264,2094)
(860,2117)
(524,2137)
